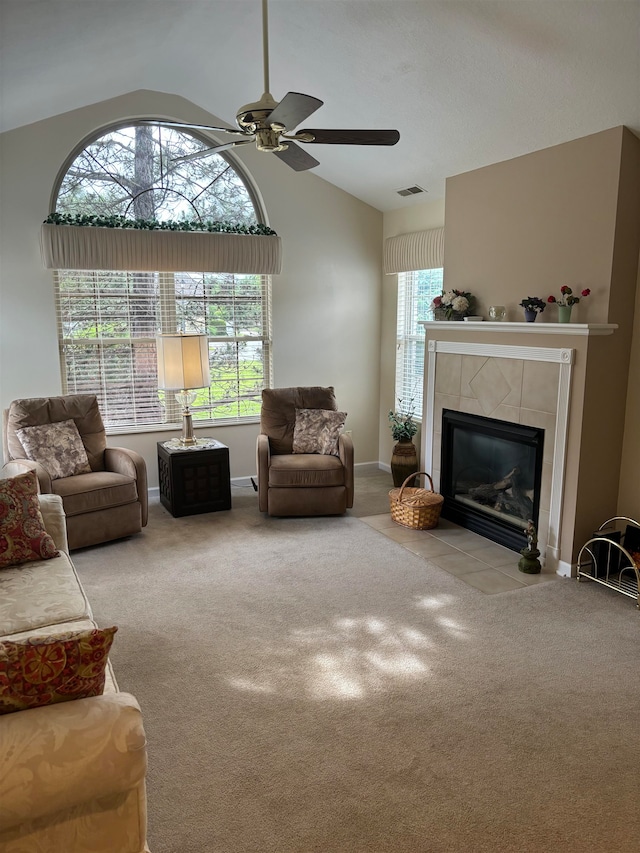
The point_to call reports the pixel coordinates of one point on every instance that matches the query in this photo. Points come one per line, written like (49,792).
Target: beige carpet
(310,685)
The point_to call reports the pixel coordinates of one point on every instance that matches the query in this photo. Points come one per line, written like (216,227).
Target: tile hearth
(482,564)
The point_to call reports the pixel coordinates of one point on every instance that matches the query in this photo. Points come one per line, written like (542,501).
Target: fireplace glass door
(490,476)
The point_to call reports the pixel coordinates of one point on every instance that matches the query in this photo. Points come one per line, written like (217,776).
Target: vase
(404,461)
(564,313)
(497,313)
(530,316)
(447,314)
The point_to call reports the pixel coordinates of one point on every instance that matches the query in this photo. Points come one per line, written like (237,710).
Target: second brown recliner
(294,483)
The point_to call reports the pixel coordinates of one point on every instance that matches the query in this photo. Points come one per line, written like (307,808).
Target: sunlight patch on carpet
(434,602)
(453,626)
(335,680)
(351,659)
(246,684)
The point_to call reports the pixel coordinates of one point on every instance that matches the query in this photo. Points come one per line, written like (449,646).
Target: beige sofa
(72,775)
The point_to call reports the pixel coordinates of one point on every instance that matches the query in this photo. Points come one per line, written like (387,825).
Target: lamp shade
(183,362)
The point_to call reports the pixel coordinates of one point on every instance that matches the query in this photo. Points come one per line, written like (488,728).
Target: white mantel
(585,329)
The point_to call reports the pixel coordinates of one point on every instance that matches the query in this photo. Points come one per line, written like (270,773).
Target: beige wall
(405,220)
(629,493)
(624,263)
(326,302)
(527,226)
(565,215)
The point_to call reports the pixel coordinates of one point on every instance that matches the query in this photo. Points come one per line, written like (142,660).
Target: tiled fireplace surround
(524,383)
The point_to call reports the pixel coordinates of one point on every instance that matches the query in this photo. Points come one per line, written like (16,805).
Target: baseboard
(553,563)
(566,570)
(371,466)
(243,481)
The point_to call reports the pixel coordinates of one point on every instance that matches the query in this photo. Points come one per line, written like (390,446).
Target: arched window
(108,320)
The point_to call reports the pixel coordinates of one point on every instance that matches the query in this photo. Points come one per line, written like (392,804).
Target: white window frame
(410,336)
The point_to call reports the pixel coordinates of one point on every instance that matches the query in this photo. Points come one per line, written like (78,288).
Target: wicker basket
(418,509)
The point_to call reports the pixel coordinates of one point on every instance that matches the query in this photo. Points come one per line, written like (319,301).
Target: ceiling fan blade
(205,152)
(296,158)
(184,125)
(293,109)
(349,137)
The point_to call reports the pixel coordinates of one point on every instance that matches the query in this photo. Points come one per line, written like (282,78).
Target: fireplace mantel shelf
(585,329)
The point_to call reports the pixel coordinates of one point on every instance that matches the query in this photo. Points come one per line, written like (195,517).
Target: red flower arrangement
(567,298)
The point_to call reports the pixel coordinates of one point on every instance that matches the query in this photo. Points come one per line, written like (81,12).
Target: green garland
(215,227)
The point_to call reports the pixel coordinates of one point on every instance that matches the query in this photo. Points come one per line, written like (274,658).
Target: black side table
(194,479)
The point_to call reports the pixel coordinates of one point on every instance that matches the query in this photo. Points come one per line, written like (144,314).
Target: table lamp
(183,367)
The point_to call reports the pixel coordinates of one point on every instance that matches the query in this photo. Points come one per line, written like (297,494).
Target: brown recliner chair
(300,483)
(110,501)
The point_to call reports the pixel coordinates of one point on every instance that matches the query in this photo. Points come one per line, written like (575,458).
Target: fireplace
(523,381)
(490,475)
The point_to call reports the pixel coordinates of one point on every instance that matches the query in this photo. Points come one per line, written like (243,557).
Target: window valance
(71,247)
(420,250)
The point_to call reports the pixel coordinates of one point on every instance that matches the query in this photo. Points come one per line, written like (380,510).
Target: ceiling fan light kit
(270,124)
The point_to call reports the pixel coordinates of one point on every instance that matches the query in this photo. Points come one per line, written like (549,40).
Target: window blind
(416,291)
(108,322)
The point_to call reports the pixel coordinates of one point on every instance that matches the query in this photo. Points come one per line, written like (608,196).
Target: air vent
(414,190)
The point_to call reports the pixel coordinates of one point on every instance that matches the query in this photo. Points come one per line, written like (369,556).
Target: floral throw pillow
(317,431)
(23,537)
(57,668)
(57,447)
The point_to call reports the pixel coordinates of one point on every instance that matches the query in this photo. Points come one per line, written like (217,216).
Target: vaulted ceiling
(466,82)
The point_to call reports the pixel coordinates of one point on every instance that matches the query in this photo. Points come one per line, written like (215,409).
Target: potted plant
(533,306)
(452,305)
(404,459)
(566,302)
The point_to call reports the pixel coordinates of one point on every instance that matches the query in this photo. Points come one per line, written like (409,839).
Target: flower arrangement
(453,304)
(533,303)
(403,427)
(567,299)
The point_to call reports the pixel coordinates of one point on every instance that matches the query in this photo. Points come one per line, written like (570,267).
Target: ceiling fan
(270,123)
